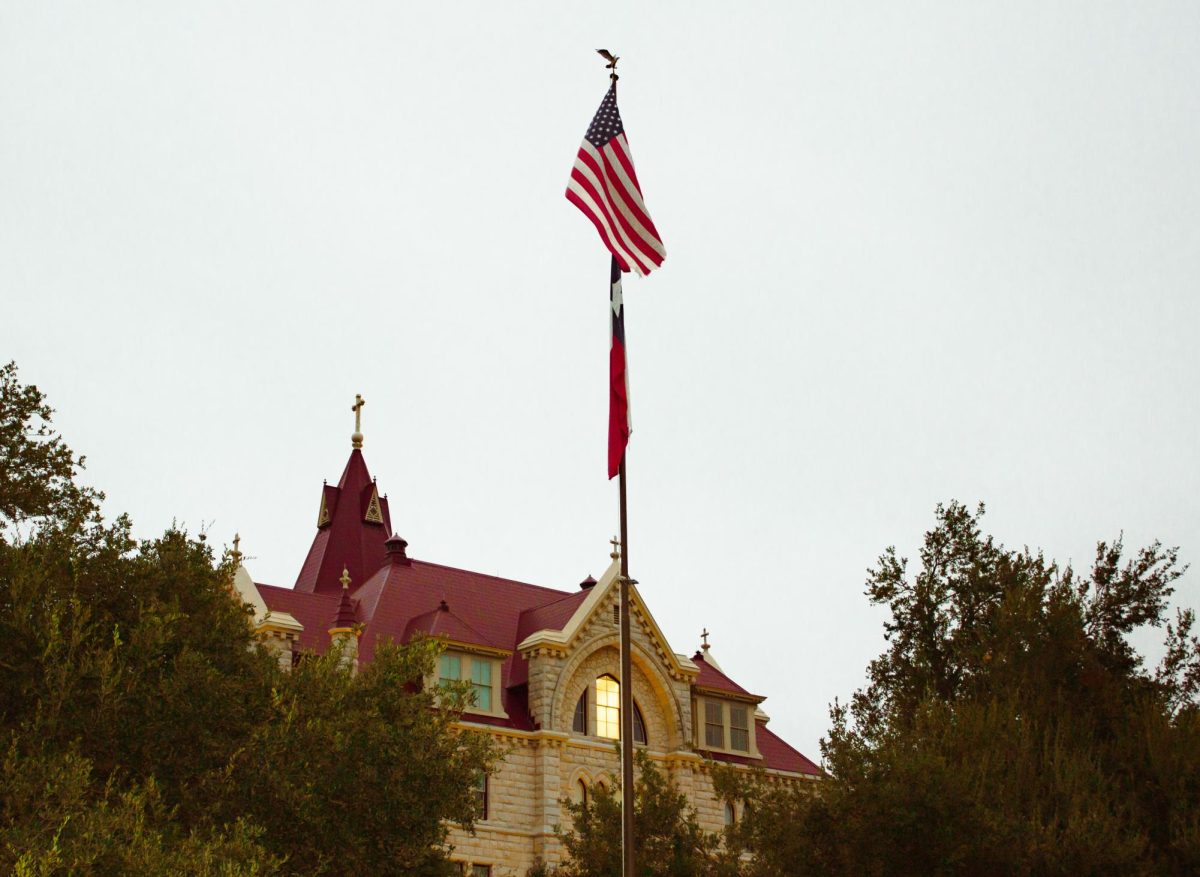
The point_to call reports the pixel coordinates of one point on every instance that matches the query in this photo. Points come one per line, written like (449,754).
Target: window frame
(734,729)
(487,685)
(608,710)
(466,659)
(726,706)
(709,707)
(587,709)
(482,793)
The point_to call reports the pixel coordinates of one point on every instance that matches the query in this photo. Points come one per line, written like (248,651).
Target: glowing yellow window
(608,708)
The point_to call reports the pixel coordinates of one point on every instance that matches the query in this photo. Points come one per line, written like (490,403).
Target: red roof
(313,611)
(776,754)
(711,677)
(395,598)
(444,623)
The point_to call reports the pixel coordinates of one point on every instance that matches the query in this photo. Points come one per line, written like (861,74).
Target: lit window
(639,726)
(481,682)
(608,708)
(481,795)
(739,728)
(579,723)
(714,724)
(449,669)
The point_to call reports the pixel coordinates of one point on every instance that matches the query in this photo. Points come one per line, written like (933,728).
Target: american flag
(604,186)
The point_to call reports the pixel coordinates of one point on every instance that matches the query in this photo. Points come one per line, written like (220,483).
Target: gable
(594,611)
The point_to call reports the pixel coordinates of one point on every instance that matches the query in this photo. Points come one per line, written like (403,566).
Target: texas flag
(618,378)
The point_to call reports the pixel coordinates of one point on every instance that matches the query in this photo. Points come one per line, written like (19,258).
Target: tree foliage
(1008,728)
(143,729)
(669,841)
(37,469)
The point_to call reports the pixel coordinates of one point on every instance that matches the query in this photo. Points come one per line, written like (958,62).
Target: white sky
(916,252)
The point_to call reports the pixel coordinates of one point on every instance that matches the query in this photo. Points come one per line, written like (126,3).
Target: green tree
(145,731)
(669,841)
(1009,727)
(356,774)
(37,469)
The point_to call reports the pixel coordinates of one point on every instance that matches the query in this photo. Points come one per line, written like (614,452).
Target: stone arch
(645,663)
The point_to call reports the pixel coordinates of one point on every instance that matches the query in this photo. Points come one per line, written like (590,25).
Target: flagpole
(627,857)
(626,691)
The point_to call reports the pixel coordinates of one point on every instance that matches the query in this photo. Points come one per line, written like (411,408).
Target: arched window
(608,708)
(580,724)
(730,814)
(581,794)
(639,726)
(608,712)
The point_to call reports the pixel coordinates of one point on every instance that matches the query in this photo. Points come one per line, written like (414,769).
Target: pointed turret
(343,634)
(353,523)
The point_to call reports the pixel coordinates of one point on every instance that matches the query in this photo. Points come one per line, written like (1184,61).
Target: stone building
(543,665)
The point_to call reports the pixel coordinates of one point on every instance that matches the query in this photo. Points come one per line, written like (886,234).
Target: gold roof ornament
(345,579)
(356,440)
(236,554)
(616,550)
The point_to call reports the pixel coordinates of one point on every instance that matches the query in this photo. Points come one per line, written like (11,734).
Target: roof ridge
(569,595)
(495,578)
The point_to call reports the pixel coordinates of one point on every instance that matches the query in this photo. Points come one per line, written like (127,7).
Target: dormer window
(480,672)
(727,726)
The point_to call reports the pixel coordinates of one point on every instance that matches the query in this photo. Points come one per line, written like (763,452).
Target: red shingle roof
(776,754)
(711,677)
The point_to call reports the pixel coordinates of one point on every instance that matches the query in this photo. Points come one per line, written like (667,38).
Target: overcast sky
(916,252)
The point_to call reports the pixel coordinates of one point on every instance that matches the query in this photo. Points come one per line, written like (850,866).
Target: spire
(356,440)
(353,522)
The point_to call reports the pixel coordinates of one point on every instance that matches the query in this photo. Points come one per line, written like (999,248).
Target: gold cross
(704,636)
(616,544)
(359,402)
(237,553)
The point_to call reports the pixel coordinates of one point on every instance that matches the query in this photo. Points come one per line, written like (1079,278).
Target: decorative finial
(612,63)
(616,544)
(704,636)
(356,440)
(345,579)
(237,552)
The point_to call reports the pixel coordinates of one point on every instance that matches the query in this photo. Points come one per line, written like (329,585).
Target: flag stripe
(593,167)
(619,147)
(586,207)
(634,229)
(585,190)
(618,183)
(586,182)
